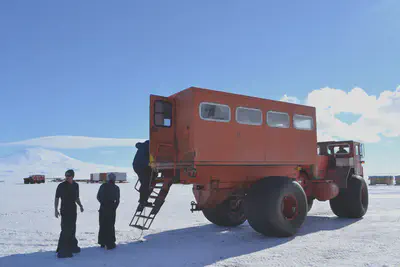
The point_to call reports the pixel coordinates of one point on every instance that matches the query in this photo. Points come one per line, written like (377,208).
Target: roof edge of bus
(340,141)
(195,88)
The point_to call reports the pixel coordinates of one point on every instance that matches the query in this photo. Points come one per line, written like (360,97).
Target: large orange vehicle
(250,159)
(34,179)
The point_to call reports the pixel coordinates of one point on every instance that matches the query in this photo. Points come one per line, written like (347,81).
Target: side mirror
(362,152)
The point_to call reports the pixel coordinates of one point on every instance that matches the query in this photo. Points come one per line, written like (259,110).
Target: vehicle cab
(345,157)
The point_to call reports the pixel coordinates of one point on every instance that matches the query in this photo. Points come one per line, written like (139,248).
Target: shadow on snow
(196,246)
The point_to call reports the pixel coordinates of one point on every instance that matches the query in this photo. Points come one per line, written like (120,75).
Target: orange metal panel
(103,176)
(324,190)
(240,174)
(234,142)
(184,125)
(249,150)
(322,166)
(162,145)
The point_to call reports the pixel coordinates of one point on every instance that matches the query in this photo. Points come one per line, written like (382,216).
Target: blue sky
(86,68)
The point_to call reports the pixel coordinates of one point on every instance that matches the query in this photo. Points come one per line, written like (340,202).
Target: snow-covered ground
(29,233)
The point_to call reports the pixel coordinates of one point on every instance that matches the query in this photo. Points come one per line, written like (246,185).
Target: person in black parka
(141,166)
(108,196)
(68,192)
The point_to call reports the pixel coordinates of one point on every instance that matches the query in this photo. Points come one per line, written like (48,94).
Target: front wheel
(352,202)
(229,213)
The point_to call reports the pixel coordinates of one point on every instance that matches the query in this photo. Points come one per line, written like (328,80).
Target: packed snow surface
(29,233)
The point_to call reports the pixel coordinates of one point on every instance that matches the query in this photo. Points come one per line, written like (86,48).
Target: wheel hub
(289,207)
(236,208)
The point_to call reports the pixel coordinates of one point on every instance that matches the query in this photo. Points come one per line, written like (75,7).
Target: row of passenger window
(252,116)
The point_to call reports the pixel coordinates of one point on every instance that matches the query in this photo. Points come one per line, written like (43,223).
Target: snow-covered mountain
(50,163)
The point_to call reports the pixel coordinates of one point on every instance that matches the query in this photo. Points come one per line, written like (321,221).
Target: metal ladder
(160,188)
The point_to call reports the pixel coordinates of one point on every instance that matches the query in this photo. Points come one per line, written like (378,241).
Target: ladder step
(159,198)
(146,217)
(150,205)
(140,227)
(140,210)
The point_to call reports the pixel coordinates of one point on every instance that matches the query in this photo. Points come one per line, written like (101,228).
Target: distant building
(397,177)
(388,180)
(102,177)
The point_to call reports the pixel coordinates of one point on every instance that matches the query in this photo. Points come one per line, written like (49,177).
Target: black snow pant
(144,178)
(67,241)
(107,216)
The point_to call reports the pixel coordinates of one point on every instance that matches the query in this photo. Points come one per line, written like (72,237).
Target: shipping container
(96,177)
(120,176)
(397,177)
(102,177)
(388,180)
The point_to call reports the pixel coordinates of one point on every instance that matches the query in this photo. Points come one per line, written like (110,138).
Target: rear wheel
(276,206)
(352,202)
(228,213)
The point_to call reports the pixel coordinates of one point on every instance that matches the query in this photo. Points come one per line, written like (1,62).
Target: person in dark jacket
(108,196)
(342,150)
(143,170)
(68,191)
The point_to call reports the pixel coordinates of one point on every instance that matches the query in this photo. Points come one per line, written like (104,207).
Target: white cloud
(69,142)
(378,115)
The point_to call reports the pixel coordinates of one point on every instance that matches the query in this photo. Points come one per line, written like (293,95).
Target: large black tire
(276,206)
(229,213)
(352,202)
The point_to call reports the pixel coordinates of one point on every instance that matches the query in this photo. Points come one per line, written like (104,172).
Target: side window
(162,113)
(303,122)
(215,112)
(323,150)
(249,116)
(278,119)
(339,149)
(357,149)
